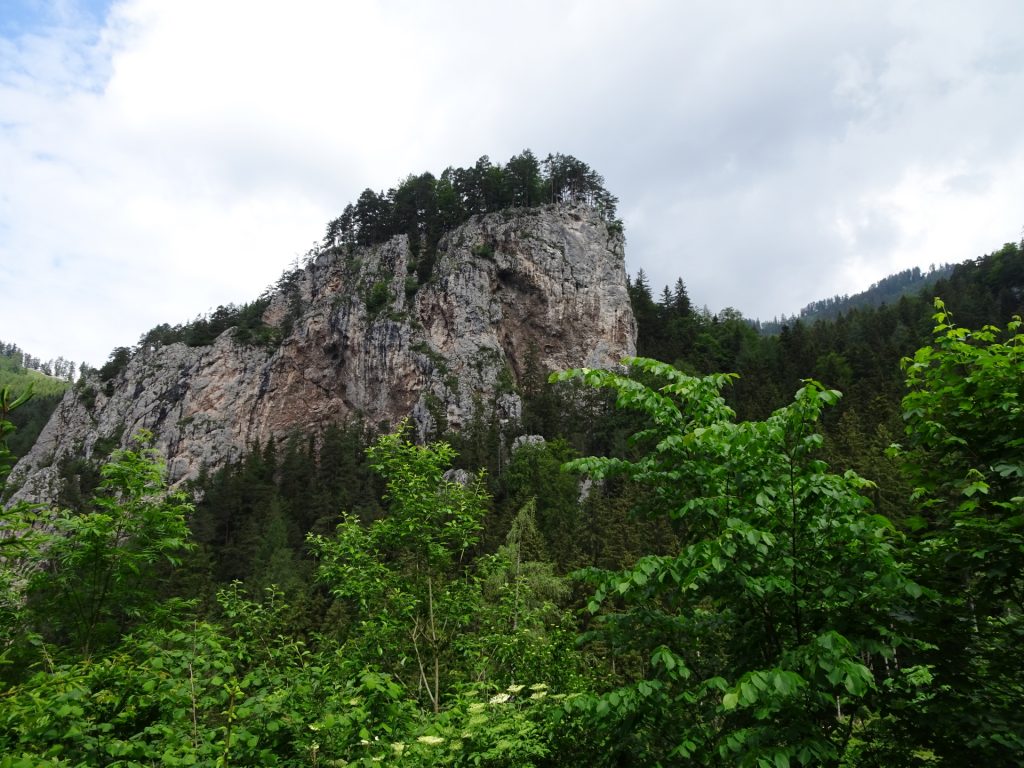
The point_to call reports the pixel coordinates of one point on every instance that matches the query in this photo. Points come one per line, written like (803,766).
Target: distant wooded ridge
(885,291)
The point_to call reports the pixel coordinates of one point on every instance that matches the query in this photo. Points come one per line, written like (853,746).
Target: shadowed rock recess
(360,338)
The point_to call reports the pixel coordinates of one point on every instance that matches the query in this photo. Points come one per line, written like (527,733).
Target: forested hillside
(677,566)
(21,372)
(858,353)
(888,290)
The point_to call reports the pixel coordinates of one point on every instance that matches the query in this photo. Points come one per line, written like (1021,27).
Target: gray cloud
(168,157)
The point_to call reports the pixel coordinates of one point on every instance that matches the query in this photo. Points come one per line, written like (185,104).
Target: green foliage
(252,517)
(534,477)
(483,250)
(507,729)
(964,414)
(738,603)
(965,418)
(18,369)
(8,403)
(404,575)
(176,692)
(97,571)
(424,207)
(19,541)
(378,298)
(28,420)
(115,365)
(31,416)
(767,638)
(858,351)
(522,633)
(246,319)
(410,286)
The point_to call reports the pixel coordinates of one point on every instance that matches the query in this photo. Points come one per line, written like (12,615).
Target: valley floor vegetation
(705,590)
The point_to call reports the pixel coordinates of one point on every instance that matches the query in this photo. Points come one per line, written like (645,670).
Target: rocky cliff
(360,338)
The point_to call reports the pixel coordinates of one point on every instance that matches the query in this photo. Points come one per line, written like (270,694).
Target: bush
(378,298)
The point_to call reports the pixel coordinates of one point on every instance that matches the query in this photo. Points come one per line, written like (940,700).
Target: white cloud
(181,155)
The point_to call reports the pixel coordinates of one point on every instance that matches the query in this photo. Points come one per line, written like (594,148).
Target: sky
(158,159)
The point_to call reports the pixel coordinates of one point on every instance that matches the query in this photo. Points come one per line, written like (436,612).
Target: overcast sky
(161,157)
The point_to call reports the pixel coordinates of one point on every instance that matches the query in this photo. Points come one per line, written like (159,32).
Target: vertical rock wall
(542,284)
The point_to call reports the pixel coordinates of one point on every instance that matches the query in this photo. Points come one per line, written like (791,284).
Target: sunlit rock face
(537,289)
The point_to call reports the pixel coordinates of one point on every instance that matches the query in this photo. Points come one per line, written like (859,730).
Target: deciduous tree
(771,636)
(404,575)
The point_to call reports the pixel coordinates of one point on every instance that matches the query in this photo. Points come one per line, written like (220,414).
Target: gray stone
(543,284)
(522,440)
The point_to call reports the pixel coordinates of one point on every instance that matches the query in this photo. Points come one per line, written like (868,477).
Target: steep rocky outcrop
(542,286)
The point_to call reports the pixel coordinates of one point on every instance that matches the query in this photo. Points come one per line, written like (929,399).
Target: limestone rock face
(540,288)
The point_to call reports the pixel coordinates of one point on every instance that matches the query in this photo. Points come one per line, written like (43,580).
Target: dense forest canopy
(741,550)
